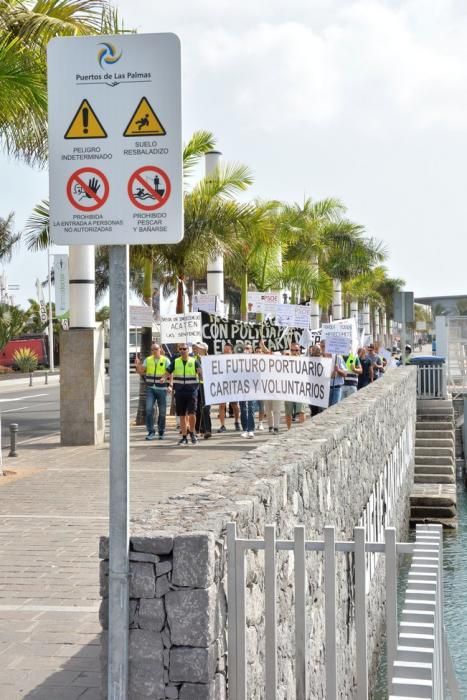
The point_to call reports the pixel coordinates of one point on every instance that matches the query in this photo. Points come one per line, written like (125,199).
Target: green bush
(26,359)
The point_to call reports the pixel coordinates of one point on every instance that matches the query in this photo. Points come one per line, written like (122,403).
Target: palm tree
(25,29)
(8,239)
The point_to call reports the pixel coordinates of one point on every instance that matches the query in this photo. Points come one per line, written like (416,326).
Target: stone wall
(320,474)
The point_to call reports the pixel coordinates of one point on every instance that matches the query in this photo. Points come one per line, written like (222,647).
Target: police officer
(153,368)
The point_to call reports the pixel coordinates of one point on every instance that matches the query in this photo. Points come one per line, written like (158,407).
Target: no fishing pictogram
(149,188)
(87,189)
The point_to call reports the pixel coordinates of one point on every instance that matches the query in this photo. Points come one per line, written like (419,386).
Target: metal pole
(51,325)
(403,330)
(119,477)
(13,431)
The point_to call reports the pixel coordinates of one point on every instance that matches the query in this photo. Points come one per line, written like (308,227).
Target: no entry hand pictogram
(87,189)
(149,188)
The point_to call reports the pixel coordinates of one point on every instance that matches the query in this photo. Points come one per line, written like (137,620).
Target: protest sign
(345,328)
(217,331)
(267,377)
(263,302)
(207,302)
(181,328)
(339,344)
(141,316)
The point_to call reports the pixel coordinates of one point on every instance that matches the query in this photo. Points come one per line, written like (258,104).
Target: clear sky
(364,100)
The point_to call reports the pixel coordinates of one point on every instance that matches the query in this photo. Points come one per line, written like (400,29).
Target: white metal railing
(237,647)
(422,666)
(431,382)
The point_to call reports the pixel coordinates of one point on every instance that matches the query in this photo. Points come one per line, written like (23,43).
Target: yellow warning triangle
(85,124)
(144,121)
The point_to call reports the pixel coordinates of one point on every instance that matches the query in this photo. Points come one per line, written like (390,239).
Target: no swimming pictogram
(149,188)
(87,189)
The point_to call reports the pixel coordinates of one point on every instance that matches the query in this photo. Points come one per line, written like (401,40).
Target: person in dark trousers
(203,423)
(153,368)
(186,373)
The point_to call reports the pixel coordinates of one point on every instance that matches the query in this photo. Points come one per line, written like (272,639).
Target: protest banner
(181,328)
(267,377)
(217,331)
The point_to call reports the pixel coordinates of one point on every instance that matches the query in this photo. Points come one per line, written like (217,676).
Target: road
(36,409)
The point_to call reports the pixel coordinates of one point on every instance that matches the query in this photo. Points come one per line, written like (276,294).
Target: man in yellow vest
(186,373)
(153,368)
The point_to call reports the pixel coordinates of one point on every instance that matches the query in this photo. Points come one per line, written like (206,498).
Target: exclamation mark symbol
(85,120)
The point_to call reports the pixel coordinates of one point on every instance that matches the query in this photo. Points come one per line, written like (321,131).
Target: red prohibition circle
(146,191)
(76,179)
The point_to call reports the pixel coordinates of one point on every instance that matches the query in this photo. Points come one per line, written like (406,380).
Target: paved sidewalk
(51,518)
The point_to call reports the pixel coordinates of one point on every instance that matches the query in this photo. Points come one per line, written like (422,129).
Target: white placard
(339,344)
(141,316)
(293,315)
(263,302)
(209,303)
(115,139)
(420,325)
(345,328)
(266,377)
(181,328)
(62,286)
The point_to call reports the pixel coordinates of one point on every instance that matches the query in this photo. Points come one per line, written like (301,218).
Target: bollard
(30,379)
(46,377)
(13,432)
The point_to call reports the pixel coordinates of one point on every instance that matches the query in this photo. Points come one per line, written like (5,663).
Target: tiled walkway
(50,522)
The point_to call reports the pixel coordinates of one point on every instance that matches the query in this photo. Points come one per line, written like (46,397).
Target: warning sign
(85,124)
(144,121)
(87,189)
(149,188)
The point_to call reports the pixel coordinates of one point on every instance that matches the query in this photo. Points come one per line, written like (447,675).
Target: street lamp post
(51,326)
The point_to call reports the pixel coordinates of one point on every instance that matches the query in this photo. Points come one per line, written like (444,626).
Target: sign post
(115,163)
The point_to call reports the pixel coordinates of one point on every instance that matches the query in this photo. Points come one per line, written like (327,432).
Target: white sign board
(209,303)
(141,316)
(420,325)
(339,344)
(263,302)
(266,377)
(62,285)
(115,146)
(293,315)
(346,328)
(181,328)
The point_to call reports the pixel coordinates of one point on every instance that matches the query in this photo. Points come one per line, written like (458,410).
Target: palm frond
(37,229)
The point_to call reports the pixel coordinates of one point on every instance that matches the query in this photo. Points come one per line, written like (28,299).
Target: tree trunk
(244,297)
(146,341)
(180,307)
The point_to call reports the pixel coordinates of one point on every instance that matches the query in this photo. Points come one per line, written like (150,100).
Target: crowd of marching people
(178,382)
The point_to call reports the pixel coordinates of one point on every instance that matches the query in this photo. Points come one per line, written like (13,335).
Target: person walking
(203,411)
(186,373)
(153,368)
(247,408)
(354,369)
(228,350)
(294,408)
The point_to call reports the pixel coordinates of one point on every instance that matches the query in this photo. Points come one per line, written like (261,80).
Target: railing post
(232,609)
(330,611)
(391,601)
(360,614)
(300,613)
(13,433)
(270,628)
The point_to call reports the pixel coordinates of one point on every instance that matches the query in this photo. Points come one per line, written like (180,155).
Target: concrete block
(146,646)
(194,560)
(191,665)
(158,543)
(198,691)
(191,615)
(146,680)
(162,586)
(151,615)
(142,580)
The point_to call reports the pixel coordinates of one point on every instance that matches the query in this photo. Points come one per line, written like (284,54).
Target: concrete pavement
(52,512)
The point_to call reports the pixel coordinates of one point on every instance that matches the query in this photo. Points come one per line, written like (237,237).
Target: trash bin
(430,376)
